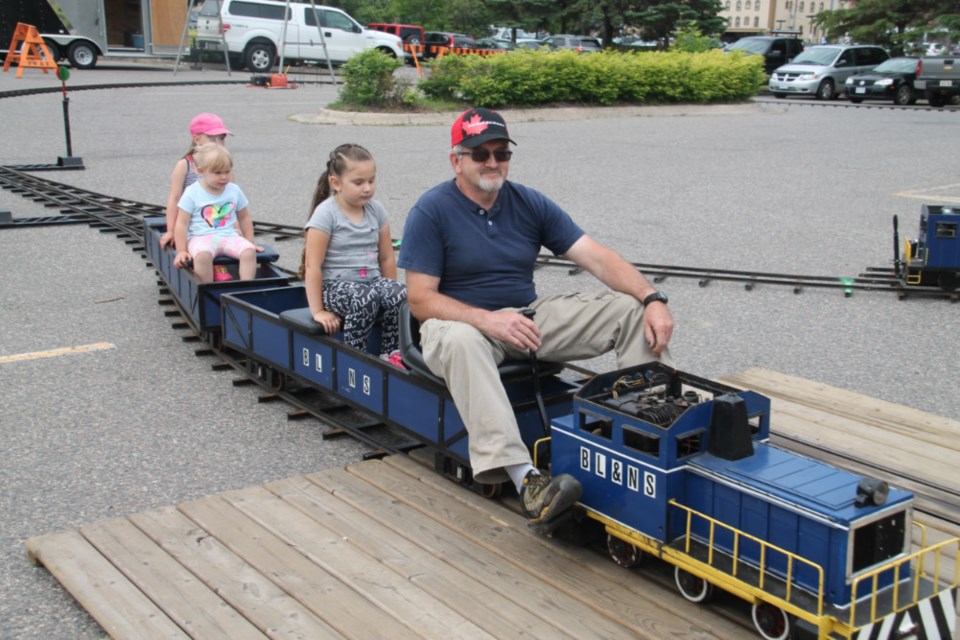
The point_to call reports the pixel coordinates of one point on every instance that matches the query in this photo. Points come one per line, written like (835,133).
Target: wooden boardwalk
(389,549)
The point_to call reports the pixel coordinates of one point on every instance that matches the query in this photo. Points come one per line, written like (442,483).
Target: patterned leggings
(361,304)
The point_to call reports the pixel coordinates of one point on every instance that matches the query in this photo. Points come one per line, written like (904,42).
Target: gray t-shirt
(352,253)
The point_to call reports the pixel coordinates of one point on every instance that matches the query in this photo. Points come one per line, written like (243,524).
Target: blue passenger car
(274,328)
(201,302)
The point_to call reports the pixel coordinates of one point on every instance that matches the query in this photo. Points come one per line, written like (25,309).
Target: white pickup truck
(938,78)
(256,31)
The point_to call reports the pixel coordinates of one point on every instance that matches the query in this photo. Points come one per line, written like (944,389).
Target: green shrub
(528,78)
(368,81)
(445,75)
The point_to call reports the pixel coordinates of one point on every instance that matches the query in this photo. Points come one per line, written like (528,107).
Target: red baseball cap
(476,126)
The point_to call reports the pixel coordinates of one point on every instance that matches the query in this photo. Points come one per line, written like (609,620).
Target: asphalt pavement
(132,419)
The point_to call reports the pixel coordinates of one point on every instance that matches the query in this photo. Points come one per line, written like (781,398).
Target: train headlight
(872,491)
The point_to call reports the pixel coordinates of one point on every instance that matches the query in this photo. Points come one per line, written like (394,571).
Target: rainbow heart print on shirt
(217,216)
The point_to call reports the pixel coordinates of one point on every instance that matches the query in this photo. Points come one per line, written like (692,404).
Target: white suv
(253,29)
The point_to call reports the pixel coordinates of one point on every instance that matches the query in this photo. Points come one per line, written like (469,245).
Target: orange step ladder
(33,52)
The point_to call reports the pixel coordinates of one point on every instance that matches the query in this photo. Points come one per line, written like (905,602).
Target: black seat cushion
(413,357)
(301,320)
(268,254)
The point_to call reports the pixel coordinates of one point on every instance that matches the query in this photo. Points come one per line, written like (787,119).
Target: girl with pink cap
(204,128)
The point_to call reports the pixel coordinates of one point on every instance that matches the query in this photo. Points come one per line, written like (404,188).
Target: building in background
(757,17)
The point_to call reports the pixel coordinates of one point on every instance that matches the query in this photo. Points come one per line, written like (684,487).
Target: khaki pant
(572,327)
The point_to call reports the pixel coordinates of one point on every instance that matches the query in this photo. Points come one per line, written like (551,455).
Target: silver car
(822,70)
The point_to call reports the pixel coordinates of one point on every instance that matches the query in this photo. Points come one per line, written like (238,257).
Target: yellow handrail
(790,557)
(918,557)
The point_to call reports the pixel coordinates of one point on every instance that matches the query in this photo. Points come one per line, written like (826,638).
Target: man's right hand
(512,328)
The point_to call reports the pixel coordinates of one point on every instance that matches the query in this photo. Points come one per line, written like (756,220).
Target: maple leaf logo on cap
(474,126)
(477,126)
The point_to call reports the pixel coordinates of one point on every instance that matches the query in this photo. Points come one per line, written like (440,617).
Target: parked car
(506,34)
(635,41)
(432,39)
(591,41)
(252,31)
(528,43)
(410,34)
(776,50)
(581,44)
(892,80)
(494,44)
(822,70)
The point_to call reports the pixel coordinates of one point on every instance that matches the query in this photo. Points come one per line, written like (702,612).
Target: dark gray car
(776,50)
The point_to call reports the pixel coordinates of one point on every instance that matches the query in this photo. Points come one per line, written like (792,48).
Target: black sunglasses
(482,155)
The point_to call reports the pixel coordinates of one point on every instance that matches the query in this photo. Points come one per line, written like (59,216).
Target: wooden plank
(446,576)
(117,605)
(863,435)
(515,583)
(859,439)
(166,21)
(187,601)
(273,612)
(347,611)
(649,585)
(363,573)
(545,575)
(936,430)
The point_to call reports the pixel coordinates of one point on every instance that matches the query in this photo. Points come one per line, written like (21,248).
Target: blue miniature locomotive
(933,257)
(679,467)
(672,466)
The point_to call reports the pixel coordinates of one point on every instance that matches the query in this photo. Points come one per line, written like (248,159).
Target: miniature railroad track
(111,214)
(20,93)
(124,217)
(874,279)
(799,101)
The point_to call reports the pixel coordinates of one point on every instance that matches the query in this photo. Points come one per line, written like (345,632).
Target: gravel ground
(787,188)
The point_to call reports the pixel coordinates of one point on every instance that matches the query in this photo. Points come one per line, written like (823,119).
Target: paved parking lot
(802,188)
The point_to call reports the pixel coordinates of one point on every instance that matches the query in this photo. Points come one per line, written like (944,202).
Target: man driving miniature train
(469,249)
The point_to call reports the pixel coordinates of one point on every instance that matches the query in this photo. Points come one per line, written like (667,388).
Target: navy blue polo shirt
(484,258)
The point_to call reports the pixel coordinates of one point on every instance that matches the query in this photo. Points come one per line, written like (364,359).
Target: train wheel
(772,622)
(949,280)
(693,588)
(491,491)
(622,552)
